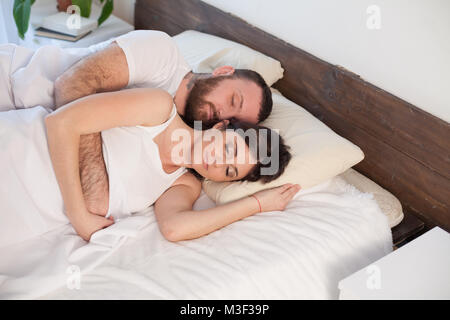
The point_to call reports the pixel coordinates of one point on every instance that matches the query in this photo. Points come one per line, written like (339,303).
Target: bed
(406,148)
(326,233)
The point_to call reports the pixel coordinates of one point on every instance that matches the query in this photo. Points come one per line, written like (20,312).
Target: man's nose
(225,113)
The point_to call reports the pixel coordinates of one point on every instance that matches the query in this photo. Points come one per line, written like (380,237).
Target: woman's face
(227,159)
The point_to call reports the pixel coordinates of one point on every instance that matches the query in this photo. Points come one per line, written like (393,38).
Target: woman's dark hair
(262,171)
(274,144)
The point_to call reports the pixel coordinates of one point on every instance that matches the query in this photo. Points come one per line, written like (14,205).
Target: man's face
(222,97)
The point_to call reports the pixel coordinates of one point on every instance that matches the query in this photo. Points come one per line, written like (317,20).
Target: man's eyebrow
(242,99)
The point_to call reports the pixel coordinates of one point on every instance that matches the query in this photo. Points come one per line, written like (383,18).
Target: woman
(138,127)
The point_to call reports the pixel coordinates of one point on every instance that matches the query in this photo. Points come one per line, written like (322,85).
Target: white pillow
(387,202)
(205,52)
(318,153)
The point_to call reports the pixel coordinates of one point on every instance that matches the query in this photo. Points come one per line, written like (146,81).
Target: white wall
(408,56)
(124,9)
(8,30)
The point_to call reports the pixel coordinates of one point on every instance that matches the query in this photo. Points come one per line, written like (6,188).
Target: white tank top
(136,175)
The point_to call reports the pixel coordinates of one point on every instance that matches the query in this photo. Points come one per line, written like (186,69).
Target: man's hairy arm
(93,175)
(105,70)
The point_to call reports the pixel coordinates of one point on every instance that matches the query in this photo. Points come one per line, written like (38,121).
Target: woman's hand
(276,199)
(90,223)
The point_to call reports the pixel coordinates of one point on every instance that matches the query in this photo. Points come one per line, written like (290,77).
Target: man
(143,59)
(151,59)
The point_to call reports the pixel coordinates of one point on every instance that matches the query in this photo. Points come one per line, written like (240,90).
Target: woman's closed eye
(231,172)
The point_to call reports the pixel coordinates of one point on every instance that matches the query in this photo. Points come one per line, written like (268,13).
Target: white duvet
(325,234)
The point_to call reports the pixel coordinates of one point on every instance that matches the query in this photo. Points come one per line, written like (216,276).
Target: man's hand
(88,223)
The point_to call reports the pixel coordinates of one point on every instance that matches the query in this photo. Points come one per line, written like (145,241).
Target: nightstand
(410,228)
(111,28)
(418,270)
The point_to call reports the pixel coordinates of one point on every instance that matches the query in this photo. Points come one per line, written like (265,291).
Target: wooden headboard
(407,150)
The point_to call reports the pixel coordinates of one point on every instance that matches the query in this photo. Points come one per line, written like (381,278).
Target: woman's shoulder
(158,104)
(191,181)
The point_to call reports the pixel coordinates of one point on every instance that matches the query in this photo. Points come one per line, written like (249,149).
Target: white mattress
(324,235)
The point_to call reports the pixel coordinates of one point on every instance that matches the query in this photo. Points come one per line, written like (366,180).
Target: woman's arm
(177,221)
(88,115)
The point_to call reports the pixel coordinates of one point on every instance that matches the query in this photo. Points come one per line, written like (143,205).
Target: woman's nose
(217,159)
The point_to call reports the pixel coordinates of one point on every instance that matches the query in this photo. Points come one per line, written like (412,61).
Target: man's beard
(197,107)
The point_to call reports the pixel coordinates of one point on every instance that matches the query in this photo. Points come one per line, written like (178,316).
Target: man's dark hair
(266,98)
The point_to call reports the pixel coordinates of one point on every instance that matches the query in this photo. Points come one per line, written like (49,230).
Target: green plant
(22,9)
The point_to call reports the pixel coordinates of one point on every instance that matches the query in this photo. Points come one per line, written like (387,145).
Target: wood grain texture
(407,150)
(411,227)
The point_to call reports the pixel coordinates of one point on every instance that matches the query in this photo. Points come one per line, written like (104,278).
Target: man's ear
(222,125)
(223,71)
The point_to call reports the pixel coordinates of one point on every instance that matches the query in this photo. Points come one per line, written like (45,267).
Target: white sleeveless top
(136,175)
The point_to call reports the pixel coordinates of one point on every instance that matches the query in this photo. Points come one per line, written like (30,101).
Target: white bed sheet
(325,234)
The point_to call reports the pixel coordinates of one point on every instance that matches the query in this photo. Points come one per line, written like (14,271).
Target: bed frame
(407,150)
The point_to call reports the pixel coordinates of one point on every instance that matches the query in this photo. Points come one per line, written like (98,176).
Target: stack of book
(65,26)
